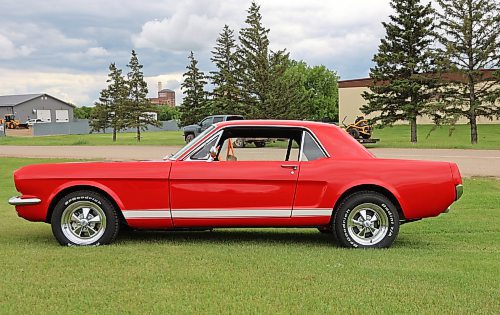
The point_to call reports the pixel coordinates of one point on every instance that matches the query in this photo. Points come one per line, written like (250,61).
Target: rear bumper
(459,191)
(18,201)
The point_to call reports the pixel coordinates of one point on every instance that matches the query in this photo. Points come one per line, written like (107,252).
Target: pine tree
(226,93)
(139,108)
(266,91)
(253,62)
(194,104)
(109,111)
(402,84)
(286,95)
(469,32)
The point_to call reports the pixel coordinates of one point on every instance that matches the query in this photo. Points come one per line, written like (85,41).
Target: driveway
(471,162)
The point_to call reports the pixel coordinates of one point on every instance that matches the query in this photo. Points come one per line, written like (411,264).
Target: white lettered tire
(84,218)
(366,219)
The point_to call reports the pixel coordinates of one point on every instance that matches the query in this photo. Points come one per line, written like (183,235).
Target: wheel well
(71,189)
(379,189)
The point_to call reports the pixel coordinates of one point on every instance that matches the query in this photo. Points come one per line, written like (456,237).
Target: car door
(227,193)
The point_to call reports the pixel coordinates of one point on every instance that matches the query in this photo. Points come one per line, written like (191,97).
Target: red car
(316,176)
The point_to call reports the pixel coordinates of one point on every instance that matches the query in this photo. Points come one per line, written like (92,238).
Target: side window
(259,149)
(204,152)
(218,119)
(311,149)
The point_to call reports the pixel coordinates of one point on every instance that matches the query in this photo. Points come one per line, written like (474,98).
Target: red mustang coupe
(312,175)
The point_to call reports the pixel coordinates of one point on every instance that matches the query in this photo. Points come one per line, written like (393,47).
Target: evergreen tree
(194,104)
(402,86)
(469,32)
(253,62)
(286,97)
(265,89)
(109,111)
(226,93)
(139,108)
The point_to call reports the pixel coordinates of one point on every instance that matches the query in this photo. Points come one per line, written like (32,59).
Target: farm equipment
(360,130)
(12,123)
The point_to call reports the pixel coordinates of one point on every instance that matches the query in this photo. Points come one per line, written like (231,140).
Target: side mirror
(213,152)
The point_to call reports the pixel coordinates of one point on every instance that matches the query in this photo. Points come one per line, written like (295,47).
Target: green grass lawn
(448,264)
(129,138)
(399,137)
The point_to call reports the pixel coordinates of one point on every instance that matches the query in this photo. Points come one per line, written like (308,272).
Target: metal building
(41,106)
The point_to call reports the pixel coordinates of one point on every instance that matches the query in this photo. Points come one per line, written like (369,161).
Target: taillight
(455,173)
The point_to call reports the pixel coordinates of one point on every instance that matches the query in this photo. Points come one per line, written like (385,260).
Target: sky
(64,47)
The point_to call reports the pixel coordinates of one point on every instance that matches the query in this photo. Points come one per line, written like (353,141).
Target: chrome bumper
(18,201)
(459,191)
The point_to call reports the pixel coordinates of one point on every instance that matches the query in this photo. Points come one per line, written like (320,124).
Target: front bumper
(18,201)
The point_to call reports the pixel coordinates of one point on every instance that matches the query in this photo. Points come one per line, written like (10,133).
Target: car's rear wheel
(84,218)
(366,220)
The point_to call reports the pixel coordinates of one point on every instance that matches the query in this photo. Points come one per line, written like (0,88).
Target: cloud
(97,52)
(8,50)
(77,88)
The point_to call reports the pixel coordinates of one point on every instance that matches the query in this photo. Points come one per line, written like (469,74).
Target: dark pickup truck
(191,131)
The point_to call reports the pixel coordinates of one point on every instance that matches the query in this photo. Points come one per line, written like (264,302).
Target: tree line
(252,80)
(123,103)
(435,62)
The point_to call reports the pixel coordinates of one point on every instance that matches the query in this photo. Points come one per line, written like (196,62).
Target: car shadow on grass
(229,236)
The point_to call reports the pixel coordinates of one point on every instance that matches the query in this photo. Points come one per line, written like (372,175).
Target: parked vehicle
(32,121)
(191,131)
(323,179)
(360,130)
(12,123)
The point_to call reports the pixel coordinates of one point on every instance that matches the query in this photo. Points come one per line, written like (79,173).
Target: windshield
(191,143)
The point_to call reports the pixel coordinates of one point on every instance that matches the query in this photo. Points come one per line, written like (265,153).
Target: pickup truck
(191,131)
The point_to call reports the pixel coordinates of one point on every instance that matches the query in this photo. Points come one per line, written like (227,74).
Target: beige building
(351,100)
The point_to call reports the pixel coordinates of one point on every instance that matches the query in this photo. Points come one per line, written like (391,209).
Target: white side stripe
(311,212)
(146,214)
(276,213)
(213,214)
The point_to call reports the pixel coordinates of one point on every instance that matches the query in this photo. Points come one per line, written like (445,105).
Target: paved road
(471,162)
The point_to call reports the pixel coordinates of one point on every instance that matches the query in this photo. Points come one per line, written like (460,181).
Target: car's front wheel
(84,218)
(366,219)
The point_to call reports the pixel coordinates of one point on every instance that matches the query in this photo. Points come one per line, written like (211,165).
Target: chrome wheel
(83,222)
(367,224)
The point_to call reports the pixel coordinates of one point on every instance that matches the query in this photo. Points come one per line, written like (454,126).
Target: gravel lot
(471,162)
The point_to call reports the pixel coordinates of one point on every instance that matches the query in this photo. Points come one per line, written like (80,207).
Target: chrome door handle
(294,167)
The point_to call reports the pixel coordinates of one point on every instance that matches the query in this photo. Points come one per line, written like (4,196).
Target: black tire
(376,227)
(260,144)
(88,214)
(353,132)
(239,143)
(189,137)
